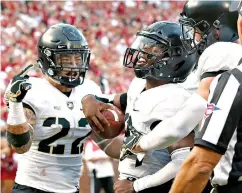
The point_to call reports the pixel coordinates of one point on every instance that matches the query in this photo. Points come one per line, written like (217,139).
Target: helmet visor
(71,66)
(71,60)
(147,49)
(192,33)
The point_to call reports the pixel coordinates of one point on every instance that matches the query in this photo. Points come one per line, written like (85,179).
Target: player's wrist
(140,184)
(106,98)
(133,187)
(16,113)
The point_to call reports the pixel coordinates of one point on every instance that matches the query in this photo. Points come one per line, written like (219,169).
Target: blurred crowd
(108,26)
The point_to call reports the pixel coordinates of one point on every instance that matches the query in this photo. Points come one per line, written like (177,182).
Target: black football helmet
(171,64)
(213,20)
(58,41)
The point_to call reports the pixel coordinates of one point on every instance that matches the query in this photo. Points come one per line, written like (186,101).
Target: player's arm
(195,170)
(175,128)
(213,139)
(203,88)
(179,151)
(111,147)
(92,106)
(20,135)
(19,129)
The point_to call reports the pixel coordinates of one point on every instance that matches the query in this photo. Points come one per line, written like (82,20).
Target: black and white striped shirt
(221,130)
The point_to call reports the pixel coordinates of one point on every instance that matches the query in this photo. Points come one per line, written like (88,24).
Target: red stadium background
(108,26)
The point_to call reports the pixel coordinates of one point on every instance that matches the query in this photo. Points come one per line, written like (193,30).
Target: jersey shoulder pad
(191,83)
(89,87)
(37,94)
(219,56)
(136,85)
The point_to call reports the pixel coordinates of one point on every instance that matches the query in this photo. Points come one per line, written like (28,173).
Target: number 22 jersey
(54,160)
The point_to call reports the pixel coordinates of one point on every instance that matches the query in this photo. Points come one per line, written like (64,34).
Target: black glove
(19,86)
(130,141)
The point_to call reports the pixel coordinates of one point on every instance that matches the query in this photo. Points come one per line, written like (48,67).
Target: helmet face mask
(145,55)
(193,34)
(209,22)
(155,56)
(66,61)
(147,48)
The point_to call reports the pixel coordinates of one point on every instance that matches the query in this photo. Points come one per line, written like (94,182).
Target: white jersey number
(44,145)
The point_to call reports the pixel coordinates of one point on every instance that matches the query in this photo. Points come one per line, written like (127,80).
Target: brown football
(116,120)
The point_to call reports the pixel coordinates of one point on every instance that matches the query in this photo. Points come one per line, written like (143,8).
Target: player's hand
(129,143)
(19,86)
(92,110)
(123,186)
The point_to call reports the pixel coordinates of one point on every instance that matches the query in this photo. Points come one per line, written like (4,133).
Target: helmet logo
(62,46)
(77,46)
(47,52)
(50,72)
(70,105)
(72,33)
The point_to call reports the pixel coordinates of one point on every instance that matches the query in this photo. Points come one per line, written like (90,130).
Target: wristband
(16,113)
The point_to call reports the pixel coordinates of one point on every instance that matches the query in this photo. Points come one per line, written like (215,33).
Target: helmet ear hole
(179,51)
(49,71)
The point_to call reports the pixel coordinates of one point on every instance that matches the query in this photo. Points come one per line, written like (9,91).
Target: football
(116,120)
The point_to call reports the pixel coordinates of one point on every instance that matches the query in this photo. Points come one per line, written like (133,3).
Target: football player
(228,32)
(46,124)
(218,145)
(220,150)
(160,62)
(194,13)
(209,22)
(197,15)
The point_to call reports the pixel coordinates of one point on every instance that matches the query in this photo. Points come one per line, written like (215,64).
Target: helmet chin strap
(141,72)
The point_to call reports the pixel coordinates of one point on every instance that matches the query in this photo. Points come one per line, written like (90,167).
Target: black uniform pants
(18,188)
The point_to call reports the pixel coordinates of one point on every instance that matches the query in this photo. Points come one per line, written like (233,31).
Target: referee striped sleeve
(218,128)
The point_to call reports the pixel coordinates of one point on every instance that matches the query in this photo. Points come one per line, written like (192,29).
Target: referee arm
(218,128)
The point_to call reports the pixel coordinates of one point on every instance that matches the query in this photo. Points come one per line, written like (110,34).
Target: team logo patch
(70,105)
(210,109)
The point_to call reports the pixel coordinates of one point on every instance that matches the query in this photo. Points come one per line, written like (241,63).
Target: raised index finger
(26,70)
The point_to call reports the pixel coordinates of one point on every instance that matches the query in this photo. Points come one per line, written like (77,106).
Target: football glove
(19,86)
